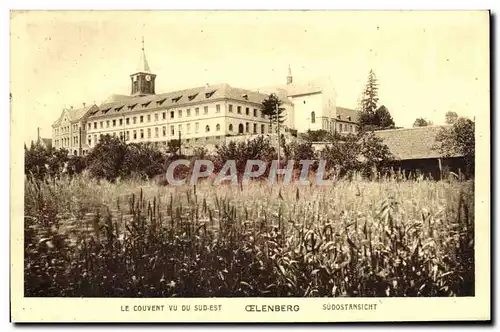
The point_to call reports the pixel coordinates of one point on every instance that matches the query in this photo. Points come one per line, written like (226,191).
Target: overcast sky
(427,63)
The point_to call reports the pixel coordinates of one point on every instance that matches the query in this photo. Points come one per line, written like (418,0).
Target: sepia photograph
(167,160)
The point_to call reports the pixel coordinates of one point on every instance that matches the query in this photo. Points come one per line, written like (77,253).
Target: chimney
(38,134)
(83,104)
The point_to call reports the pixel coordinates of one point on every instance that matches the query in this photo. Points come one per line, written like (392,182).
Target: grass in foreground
(358,238)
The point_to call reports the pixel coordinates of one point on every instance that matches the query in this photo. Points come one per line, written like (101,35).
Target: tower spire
(289,78)
(143,64)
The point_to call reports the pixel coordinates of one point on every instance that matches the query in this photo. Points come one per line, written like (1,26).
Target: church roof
(181,98)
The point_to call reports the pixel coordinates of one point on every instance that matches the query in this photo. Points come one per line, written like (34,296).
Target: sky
(426,63)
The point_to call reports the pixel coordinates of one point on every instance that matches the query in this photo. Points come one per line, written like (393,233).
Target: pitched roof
(292,89)
(181,98)
(46,141)
(76,114)
(412,143)
(345,113)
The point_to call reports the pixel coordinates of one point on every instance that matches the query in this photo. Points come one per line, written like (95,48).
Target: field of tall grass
(357,238)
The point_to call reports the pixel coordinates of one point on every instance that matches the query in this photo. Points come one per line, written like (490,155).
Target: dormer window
(161,101)
(192,96)
(349,118)
(118,108)
(176,99)
(209,94)
(245,96)
(106,110)
(338,116)
(146,104)
(131,106)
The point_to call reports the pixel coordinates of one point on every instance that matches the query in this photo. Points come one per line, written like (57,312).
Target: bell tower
(289,78)
(143,81)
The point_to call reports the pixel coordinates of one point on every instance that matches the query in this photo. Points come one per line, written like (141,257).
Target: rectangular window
(164,115)
(197,111)
(180,113)
(230,108)
(188,127)
(205,109)
(135,134)
(172,131)
(255,112)
(217,108)
(107,124)
(262,129)
(255,128)
(114,123)
(157,132)
(95,139)
(149,117)
(239,109)
(127,135)
(101,124)
(90,127)
(196,127)
(172,114)
(141,119)
(121,122)
(180,128)
(149,132)
(164,131)
(247,127)
(188,112)
(156,116)
(134,120)
(127,121)
(247,111)
(142,133)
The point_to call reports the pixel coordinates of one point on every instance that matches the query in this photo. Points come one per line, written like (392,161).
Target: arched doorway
(240,128)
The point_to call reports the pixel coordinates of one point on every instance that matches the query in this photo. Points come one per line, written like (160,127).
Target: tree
(173,146)
(41,161)
(143,160)
(421,122)
(370,95)
(383,118)
(363,152)
(371,117)
(451,117)
(106,158)
(271,108)
(459,139)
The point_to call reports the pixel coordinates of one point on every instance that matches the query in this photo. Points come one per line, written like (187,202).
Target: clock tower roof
(143,63)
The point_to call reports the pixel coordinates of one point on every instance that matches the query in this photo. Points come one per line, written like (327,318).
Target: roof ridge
(410,128)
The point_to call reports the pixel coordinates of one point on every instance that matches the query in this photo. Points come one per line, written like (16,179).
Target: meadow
(358,238)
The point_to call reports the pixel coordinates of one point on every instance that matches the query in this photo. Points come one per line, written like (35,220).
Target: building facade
(204,115)
(68,131)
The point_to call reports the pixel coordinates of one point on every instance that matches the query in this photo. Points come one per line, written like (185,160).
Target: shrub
(105,160)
